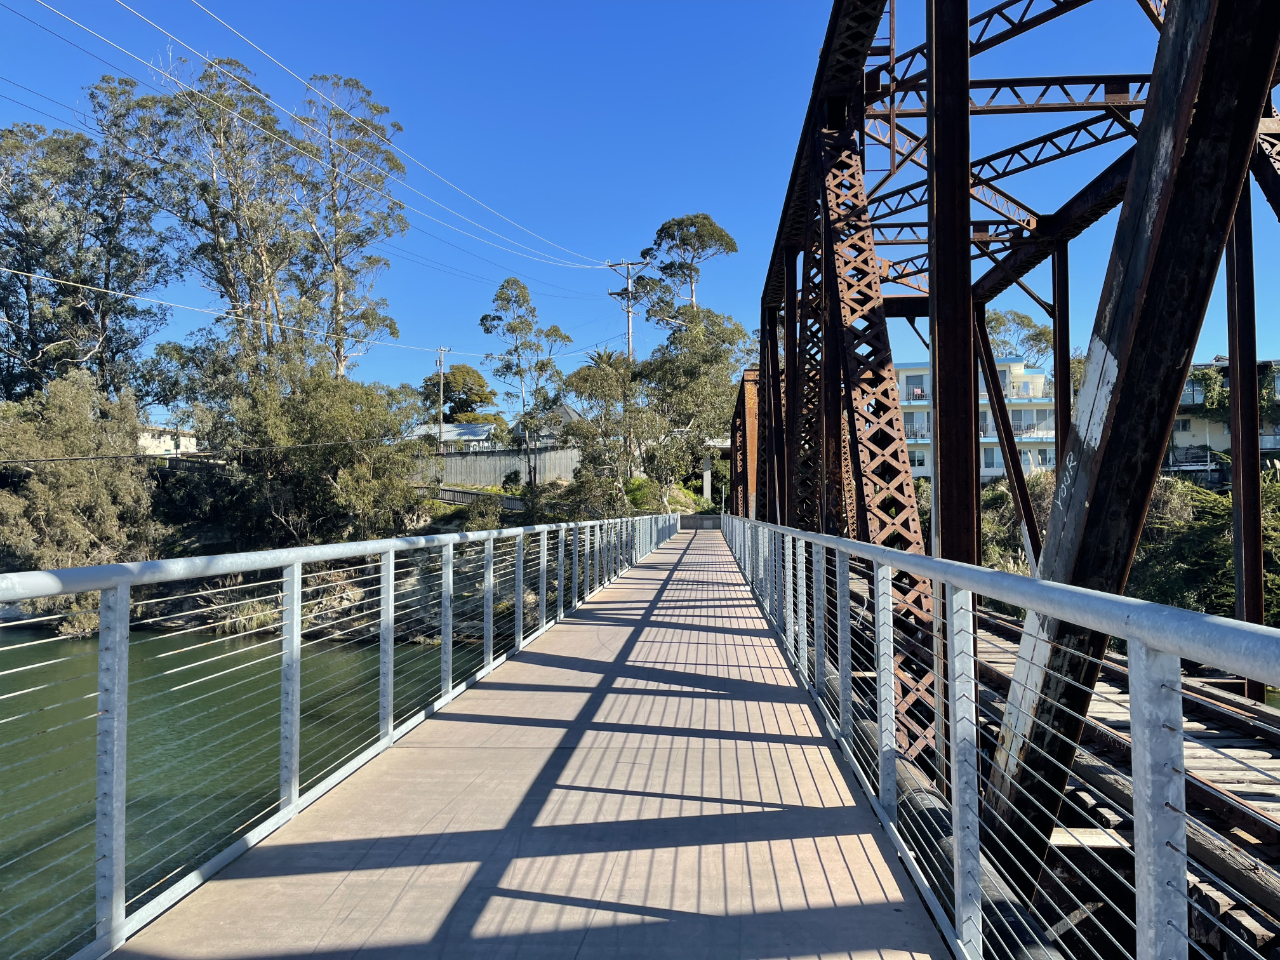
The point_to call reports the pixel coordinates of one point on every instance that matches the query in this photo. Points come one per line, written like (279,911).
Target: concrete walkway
(646,780)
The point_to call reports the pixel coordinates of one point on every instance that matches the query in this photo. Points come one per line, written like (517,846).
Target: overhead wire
(358,120)
(348,176)
(398,149)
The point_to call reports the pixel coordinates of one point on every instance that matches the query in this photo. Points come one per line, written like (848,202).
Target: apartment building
(1195,437)
(1028,395)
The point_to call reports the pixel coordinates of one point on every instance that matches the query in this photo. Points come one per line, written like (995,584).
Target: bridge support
(1213,68)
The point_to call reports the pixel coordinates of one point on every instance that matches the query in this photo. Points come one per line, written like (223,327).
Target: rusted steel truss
(833,454)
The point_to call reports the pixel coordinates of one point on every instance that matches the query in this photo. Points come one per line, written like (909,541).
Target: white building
(1028,395)
(162,441)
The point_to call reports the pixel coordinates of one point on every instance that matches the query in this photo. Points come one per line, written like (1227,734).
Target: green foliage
(73,513)
(484,513)
(687,242)
(345,167)
(86,212)
(526,364)
(466,393)
(1015,334)
(334,462)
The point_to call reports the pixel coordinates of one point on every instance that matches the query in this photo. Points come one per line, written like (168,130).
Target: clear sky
(587,124)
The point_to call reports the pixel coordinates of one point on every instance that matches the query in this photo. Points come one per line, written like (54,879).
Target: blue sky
(589,124)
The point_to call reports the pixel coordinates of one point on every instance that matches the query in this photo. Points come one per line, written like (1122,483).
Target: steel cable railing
(216,697)
(1136,863)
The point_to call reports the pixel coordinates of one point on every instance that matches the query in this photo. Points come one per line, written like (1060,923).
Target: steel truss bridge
(886,194)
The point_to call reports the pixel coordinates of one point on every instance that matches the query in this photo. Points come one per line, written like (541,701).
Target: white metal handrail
(595,553)
(774,563)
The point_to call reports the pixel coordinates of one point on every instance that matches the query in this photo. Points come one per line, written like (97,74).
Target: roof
(457,431)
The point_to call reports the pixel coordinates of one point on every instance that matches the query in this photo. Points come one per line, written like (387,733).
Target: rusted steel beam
(1266,157)
(1008,444)
(1246,452)
(774,423)
(955,438)
(1097,198)
(1213,67)
(850,34)
(1023,95)
(807,443)
(1061,350)
(751,452)
(790,379)
(992,27)
(906,306)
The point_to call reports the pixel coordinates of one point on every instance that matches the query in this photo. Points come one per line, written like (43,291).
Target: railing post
(599,557)
(291,687)
(577,530)
(560,574)
(519,617)
(446,619)
(788,593)
(819,618)
(386,646)
(113,735)
(542,580)
(1159,803)
(964,771)
(800,650)
(488,602)
(844,656)
(886,709)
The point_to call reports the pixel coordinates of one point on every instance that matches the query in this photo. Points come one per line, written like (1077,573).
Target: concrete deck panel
(645,780)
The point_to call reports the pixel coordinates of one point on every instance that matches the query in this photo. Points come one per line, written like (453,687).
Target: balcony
(913,394)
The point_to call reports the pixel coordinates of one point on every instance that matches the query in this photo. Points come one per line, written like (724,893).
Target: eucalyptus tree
(344,168)
(685,243)
(527,363)
(79,237)
(228,166)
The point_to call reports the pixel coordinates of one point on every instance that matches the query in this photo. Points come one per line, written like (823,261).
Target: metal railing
(217,697)
(914,663)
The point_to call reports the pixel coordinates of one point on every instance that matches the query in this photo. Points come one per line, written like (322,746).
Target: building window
(1026,458)
(917,458)
(1045,456)
(915,387)
(1182,425)
(1042,416)
(983,425)
(989,458)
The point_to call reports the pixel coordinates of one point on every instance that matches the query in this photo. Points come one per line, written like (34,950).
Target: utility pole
(440,413)
(627,296)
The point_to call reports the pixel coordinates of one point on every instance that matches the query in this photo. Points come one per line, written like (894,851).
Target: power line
(125,73)
(330,166)
(36,23)
(409,255)
(399,150)
(283,326)
(306,123)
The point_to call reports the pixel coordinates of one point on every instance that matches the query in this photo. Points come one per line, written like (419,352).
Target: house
(170,441)
(563,414)
(1196,437)
(459,437)
(1028,393)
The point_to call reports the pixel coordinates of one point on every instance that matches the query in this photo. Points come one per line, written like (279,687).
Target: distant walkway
(645,780)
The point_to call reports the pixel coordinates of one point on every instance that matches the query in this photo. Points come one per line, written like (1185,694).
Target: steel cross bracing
(836,458)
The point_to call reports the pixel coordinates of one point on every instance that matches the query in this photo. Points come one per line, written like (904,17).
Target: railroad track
(1232,754)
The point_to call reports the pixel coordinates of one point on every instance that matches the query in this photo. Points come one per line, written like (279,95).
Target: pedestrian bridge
(614,739)
(647,779)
